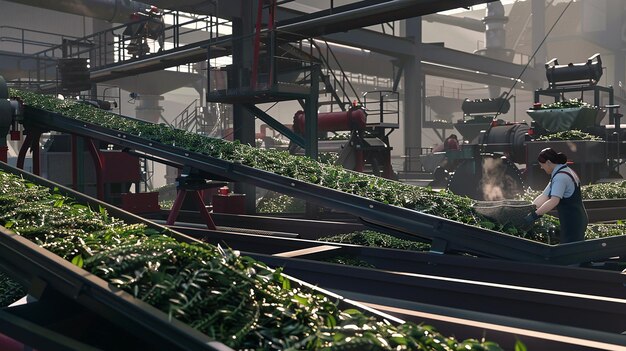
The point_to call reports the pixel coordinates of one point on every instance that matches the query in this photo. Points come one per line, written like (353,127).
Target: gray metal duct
(117,11)
(380,12)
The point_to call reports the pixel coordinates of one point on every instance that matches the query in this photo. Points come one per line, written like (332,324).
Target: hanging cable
(532,57)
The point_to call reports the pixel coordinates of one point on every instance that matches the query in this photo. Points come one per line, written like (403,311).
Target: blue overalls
(572,214)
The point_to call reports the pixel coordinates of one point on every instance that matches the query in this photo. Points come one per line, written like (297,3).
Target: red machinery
(362,152)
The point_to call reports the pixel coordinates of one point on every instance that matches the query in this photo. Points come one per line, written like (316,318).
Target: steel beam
(462,60)
(274,124)
(365,13)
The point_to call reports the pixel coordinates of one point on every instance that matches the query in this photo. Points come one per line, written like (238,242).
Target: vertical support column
(310,121)
(6,119)
(149,110)
(243,120)
(257,45)
(538,8)
(619,77)
(310,127)
(413,90)
(613,38)
(495,37)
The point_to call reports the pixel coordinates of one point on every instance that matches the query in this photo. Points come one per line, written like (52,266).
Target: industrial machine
(106,173)
(485,168)
(500,159)
(365,150)
(480,114)
(96,168)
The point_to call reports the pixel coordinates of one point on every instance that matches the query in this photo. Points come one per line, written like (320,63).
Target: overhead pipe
(384,11)
(115,11)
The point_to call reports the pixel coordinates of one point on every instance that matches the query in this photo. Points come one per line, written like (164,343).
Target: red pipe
(354,119)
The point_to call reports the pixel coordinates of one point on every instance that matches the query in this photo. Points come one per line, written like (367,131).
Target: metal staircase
(195,118)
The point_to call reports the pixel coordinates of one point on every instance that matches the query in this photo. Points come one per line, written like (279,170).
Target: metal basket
(505,211)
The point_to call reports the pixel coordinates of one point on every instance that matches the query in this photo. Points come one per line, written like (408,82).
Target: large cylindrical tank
(590,71)
(353,119)
(500,105)
(508,139)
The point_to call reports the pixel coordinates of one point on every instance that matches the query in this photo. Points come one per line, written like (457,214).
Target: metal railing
(115,46)
(187,117)
(340,80)
(30,41)
(110,46)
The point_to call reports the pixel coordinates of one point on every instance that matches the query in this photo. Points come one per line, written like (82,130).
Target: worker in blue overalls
(563,192)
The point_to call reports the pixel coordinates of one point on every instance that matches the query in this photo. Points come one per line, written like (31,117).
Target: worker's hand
(530,219)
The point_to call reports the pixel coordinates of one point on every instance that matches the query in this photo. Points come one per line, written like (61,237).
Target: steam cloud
(496,184)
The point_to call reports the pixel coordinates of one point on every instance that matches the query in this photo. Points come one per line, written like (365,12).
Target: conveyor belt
(572,279)
(589,317)
(446,235)
(531,298)
(47,274)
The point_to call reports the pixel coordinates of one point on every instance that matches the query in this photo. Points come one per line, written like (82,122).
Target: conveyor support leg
(180,197)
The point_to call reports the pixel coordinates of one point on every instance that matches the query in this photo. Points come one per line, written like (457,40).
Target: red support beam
(178,203)
(21,156)
(203,211)
(180,197)
(4,154)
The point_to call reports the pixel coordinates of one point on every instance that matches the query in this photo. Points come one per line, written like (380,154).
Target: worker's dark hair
(453,136)
(551,155)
